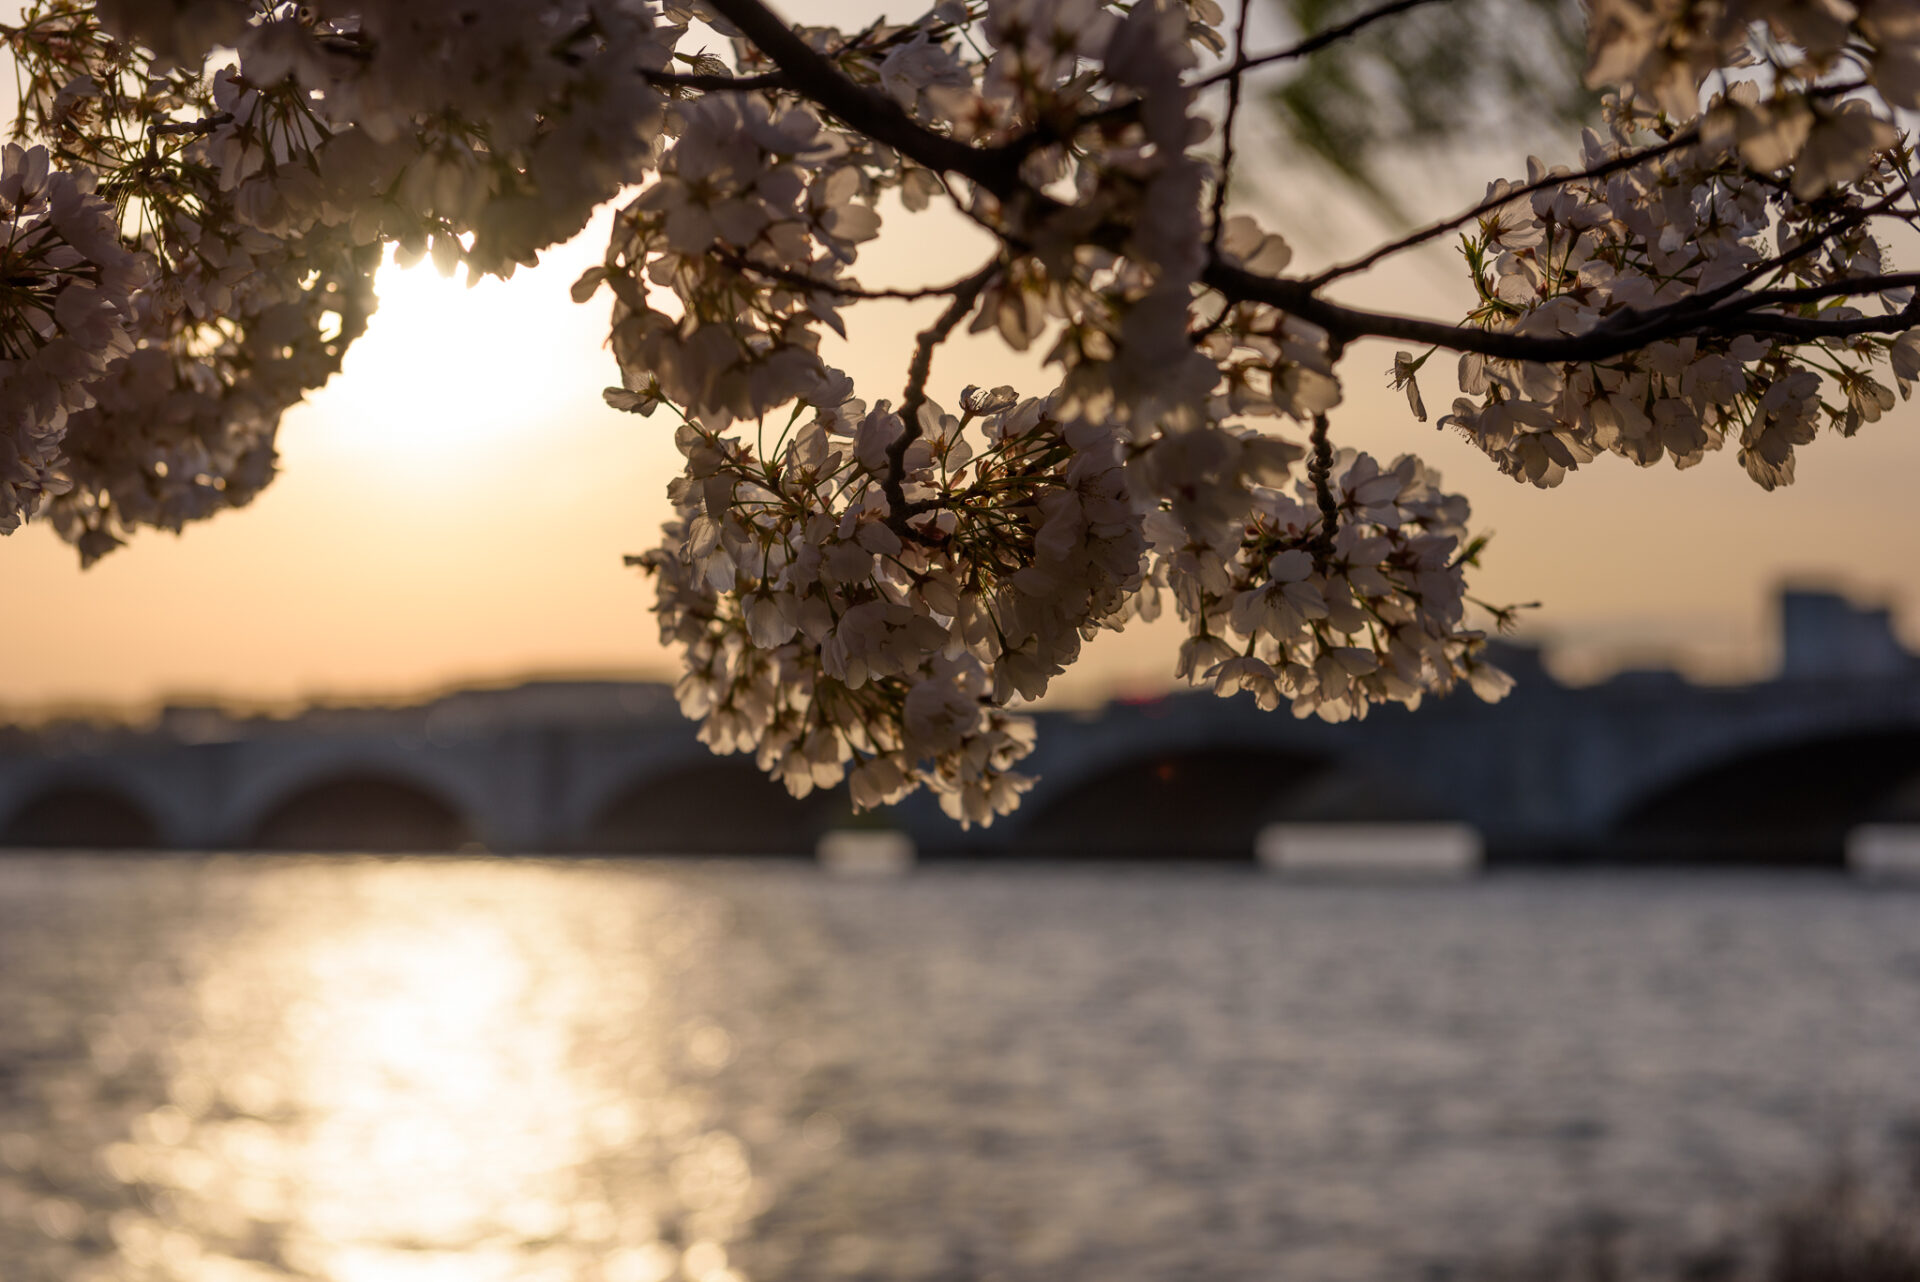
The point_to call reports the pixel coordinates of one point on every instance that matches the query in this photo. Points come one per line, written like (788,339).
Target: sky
(453,509)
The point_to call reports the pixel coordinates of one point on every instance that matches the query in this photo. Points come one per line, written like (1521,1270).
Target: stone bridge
(1643,767)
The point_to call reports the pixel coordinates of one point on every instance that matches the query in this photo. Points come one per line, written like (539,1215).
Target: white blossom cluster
(830,599)
(66,287)
(747,200)
(825,641)
(1333,625)
(1665,50)
(1758,200)
(832,645)
(259,157)
(1697,225)
(190,248)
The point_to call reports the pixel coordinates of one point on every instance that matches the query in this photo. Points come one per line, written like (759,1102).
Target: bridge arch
(1781,803)
(710,805)
(81,813)
(1198,802)
(364,810)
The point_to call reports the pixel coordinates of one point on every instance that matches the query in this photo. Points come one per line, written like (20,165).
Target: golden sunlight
(443,367)
(394,1083)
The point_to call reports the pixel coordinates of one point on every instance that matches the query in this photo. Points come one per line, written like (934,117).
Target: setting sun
(453,371)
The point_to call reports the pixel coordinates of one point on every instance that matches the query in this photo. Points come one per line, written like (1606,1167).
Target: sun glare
(444,367)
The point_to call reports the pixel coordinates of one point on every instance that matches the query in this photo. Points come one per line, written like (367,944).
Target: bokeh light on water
(370,1073)
(243,1070)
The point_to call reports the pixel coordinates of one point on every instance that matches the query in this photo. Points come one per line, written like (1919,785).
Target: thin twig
(1226,130)
(800,280)
(1315,42)
(1626,160)
(965,295)
(1045,134)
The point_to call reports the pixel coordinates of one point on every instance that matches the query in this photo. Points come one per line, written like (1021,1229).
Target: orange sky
(455,506)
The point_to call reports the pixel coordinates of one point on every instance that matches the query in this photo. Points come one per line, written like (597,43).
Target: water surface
(362,1071)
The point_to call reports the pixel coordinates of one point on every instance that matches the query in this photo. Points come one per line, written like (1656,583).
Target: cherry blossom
(867,585)
(66,286)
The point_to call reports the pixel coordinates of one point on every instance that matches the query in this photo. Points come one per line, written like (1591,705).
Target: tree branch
(1625,161)
(711,83)
(1320,473)
(873,114)
(1226,129)
(1626,332)
(800,280)
(997,172)
(1843,288)
(1125,111)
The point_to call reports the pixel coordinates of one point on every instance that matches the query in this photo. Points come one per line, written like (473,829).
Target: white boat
(1425,851)
(1885,852)
(865,852)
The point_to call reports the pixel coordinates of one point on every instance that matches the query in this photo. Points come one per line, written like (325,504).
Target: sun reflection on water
(268,1070)
(414,1087)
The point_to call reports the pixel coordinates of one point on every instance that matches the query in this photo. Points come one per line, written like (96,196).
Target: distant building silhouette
(1824,635)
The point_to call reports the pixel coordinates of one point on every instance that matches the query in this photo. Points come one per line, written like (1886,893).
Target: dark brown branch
(1320,472)
(862,43)
(997,172)
(711,83)
(1730,321)
(1622,333)
(866,111)
(190,128)
(1843,288)
(965,295)
(800,280)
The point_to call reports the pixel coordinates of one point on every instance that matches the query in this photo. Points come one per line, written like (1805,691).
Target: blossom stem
(965,295)
(1320,472)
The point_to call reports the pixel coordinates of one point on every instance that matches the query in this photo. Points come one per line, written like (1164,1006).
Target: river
(246,1068)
